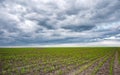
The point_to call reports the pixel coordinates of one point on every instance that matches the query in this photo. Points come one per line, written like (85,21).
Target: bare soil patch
(0,67)
(116,67)
(90,69)
(105,69)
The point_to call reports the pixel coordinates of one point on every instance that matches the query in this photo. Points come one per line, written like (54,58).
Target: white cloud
(28,26)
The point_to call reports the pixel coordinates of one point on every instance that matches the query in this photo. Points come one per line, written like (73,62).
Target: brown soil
(70,72)
(90,69)
(105,69)
(87,71)
(0,67)
(116,67)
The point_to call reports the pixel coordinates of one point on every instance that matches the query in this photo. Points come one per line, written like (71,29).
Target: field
(60,61)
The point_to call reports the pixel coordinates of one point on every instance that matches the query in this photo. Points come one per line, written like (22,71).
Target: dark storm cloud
(79,28)
(24,22)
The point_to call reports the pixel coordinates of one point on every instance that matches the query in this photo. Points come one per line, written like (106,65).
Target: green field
(59,61)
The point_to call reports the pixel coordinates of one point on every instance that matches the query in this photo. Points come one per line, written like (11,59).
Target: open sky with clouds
(59,22)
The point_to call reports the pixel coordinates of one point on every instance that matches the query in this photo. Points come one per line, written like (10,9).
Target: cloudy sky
(59,22)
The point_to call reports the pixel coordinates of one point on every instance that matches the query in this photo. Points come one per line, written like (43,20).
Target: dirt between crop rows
(105,68)
(0,67)
(116,68)
(86,71)
(74,72)
(90,69)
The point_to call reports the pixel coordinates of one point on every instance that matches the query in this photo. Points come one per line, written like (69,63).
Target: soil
(105,69)
(0,67)
(90,69)
(116,67)
(70,72)
(85,72)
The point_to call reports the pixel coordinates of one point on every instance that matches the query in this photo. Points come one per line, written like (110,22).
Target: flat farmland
(60,61)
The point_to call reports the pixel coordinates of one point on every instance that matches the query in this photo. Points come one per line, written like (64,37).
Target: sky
(59,22)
